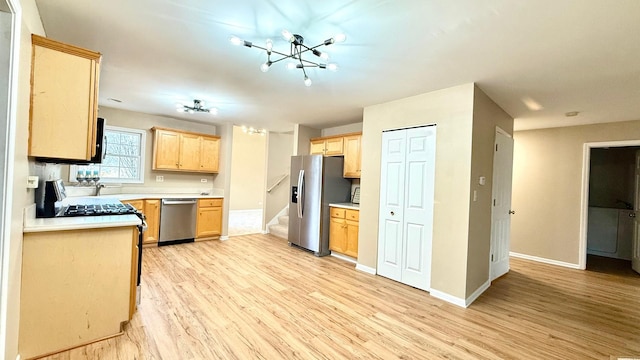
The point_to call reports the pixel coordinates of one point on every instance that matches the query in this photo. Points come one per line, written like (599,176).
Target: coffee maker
(48,196)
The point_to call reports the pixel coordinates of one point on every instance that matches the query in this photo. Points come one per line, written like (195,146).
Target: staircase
(281,229)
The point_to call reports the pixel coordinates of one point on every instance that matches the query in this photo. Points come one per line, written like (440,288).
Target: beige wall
(278,163)
(248,158)
(223,179)
(486,116)
(344,129)
(547,187)
(136,120)
(30,23)
(301,136)
(451,109)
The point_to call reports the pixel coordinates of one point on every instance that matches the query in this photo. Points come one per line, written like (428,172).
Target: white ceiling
(566,55)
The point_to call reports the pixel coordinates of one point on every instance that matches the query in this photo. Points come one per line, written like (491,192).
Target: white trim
(479,291)
(366,269)
(344,257)
(584,201)
(448,298)
(6,218)
(503,132)
(143,145)
(544,260)
(224,238)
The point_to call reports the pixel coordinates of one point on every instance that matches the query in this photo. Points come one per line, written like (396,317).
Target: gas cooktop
(102,209)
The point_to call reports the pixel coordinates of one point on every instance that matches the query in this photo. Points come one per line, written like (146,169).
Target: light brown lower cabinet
(209,219)
(343,231)
(152,214)
(77,287)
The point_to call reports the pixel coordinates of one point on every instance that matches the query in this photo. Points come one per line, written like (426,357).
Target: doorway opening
(246,194)
(609,207)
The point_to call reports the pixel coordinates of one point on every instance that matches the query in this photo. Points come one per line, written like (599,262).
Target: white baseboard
(477,293)
(364,268)
(224,238)
(448,298)
(344,257)
(265,232)
(544,260)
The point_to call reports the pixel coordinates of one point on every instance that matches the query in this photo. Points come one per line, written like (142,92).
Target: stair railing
(278,182)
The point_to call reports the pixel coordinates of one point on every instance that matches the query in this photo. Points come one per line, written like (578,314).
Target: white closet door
(501,210)
(418,206)
(406,205)
(391,204)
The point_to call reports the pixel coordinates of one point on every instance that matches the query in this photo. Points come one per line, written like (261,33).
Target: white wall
(343,129)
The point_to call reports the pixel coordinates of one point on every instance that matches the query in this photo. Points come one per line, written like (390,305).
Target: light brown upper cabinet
(176,150)
(347,145)
(352,156)
(64,100)
(328,146)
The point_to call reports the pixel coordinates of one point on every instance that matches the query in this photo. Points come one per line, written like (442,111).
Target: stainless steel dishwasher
(177,221)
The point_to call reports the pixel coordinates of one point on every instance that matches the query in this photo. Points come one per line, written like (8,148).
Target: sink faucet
(98,188)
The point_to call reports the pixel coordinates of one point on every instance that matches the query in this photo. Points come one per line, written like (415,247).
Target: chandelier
(198,107)
(296,51)
(251,130)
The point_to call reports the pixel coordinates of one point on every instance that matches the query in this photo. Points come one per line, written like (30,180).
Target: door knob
(632,214)
(392,213)
(512,212)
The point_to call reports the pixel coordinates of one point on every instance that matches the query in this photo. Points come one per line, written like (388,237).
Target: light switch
(482,180)
(32,182)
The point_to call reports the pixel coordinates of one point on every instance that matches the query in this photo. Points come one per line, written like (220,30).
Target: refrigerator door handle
(300,193)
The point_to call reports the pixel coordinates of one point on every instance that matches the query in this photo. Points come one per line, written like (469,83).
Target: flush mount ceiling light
(198,107)
(252,130)
(297,49)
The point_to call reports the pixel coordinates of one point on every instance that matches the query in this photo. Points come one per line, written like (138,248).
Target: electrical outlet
(203,180)
(159,178)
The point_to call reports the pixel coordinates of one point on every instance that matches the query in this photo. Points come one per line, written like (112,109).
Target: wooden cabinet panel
(61,75)
(190,152)
(334,146)
(317,147)
(337,235)
(343,231)
(351,247)
(166,153)
(210,154)
(138,204)
(209,219)
(176,150)
(152,214)
(352,156)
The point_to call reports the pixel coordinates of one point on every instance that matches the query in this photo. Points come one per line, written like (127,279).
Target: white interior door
(501,210)
(418,206)
(635,258)
(391,204)
(406,205)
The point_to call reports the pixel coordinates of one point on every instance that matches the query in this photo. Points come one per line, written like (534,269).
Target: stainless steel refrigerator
(316,181)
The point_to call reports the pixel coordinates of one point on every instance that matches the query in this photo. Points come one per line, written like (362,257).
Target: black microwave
(100,146)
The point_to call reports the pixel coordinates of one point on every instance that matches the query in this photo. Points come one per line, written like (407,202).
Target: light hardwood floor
(254,297)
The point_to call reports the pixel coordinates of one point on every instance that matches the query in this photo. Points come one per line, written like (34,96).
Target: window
(123,161)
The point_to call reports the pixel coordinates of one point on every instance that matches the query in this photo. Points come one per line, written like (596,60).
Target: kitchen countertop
(33,224)
(350,206)
(123,197)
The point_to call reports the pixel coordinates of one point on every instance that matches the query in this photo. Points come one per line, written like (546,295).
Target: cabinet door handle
(392,213)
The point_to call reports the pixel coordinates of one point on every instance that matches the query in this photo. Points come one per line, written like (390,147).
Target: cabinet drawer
(337,213)
(210,202)
(353,215)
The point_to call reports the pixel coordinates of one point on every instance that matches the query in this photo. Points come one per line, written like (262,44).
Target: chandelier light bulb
(307,81)
(291,65)
(191,111)
(340,38)
(287,35)
(269,45)
(236,40)
(324,56)
(332,67)
(265,67)
(213,111)
(179,110)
